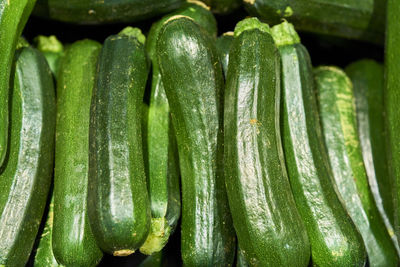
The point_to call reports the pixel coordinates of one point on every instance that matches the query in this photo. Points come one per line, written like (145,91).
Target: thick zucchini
(334,239)
(391,103)
(367,78)
(119,207)
(13,16)
(268,226)
(338,119)
(100,12)
(73,241)
(162,158)
(27,170)
(223,7)
(52,49)
(363,20)
(183,48)
(223,45)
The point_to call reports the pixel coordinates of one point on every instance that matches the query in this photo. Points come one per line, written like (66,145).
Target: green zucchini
(268,225)
(119,207)
(223,7)
(362,20)
(73,242)
(52,49)
(334,239)
(207,236)
(26,174)
(240,258)
(338,119)
(223,45)
(44,253)
(100,12)
(367,78)
(13,16)
(391,104)
(163,170)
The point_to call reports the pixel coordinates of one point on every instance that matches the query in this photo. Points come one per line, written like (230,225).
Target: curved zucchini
(268,226)
(223,7)
(73,241)
(334,239)
(27,170)
(338,119)
(207,237)
(13,16)
(163,179)
(100,12)
(52,49)
(367,78)
(362,20)
(223,45)
(119,208)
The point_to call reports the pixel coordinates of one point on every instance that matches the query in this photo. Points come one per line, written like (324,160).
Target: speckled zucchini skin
(101,12)
(73,241)
(27,170)
(13,16)
(193,81)
(368,81)
(339,125)
(163,165)
(223,45)
(118,201)
(268,225)
(334,238)
(362,20)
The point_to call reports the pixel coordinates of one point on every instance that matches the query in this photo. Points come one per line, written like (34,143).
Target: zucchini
(367,78)
(268,225)
(26,174)
(118,201)
(361,20)
(334,238)
(223,45)
(391,104)
(223,7)
(337,113)
(163,170)
(207,236)
(52,49)
(101,12)
(73,242)
(13,16)
(44,253)
(240,258)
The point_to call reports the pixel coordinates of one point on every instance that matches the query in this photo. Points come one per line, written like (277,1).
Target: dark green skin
(223,7)
(367,78)
(44,253)
(102,12)
(13,17)
(119,207)
(223,45)
(73,241)
(339,125)
(241,258)
(391,103)
(27,170)
(361,20)
(268,226)
(193,82)
(334,238)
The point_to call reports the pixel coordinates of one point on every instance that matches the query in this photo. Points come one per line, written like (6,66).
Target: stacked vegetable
(237,143)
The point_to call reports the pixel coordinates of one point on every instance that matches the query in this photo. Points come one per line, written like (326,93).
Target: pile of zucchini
(173,146)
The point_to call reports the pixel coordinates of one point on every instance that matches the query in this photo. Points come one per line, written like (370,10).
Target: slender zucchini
(119,207)
(13,16)
(334,239)
(223,45)
(52,49)
(391,104)
(27,170)
(73,242)
(339,125)
(183,48)
(223,7)
(269,228)
(162,158)
(362,20)
(100,12)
